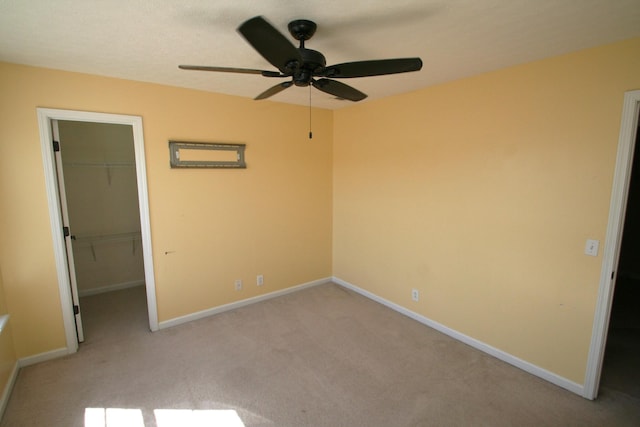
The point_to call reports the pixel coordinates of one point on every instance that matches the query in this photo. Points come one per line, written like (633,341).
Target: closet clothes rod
(107,166)
(91,241)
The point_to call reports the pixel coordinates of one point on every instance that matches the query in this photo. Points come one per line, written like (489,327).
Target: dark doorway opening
(621,367)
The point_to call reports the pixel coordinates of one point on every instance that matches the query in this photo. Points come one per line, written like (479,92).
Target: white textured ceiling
(145,40)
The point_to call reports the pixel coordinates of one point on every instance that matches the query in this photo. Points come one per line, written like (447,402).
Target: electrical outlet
(260,280)
(238,284)
(415,294)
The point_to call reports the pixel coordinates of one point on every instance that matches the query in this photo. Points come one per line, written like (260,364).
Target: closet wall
(102,196)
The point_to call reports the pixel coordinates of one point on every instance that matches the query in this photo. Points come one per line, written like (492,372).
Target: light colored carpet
(324,356)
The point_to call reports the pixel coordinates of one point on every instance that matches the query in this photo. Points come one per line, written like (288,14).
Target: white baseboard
(109,288)
(43,357)
(499,354)
(232,306)
(8,388)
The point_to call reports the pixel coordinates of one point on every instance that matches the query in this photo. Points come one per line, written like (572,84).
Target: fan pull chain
(310,133)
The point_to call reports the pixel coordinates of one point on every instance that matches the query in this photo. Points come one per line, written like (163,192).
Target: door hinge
(613,274)
(56,146)
(76,310)
(65,231)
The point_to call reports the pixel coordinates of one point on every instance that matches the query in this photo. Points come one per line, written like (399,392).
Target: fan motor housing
(313,63)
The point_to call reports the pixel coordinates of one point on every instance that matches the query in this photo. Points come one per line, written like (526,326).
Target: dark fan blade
(271,44)
(373,68)
(231,70)
(338,89)
(273,90)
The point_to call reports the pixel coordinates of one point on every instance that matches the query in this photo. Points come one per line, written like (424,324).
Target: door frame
(613,240)
(45,116)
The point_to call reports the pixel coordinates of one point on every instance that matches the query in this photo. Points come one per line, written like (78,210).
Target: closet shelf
(104,238)
(94,240)
(100,164)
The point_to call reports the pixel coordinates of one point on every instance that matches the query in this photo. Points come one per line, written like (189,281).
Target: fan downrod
(302,29)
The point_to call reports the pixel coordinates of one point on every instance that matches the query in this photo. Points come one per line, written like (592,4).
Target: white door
(68,236)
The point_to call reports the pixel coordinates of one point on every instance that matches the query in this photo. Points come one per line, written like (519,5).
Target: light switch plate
(591,247)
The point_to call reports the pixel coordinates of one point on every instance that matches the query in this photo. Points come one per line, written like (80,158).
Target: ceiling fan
(306,66)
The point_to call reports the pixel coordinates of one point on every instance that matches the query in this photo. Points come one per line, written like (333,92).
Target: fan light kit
(306,66)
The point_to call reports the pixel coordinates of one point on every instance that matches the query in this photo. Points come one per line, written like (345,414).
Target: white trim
(11,380)
(4,319)
(145,222)
(45,116)
(43,357)
(234,305)
(110,288)
(479,345)
(613,239)
(8,388)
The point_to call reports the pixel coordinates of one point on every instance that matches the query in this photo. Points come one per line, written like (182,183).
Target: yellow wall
(209,227)
(481,194)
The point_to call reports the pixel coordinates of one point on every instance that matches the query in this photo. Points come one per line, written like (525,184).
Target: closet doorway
(96,180)
(620,371)
(620,194)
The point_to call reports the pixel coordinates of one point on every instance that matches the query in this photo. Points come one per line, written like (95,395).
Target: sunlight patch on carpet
(198,418)
(119,417)
(111,417)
